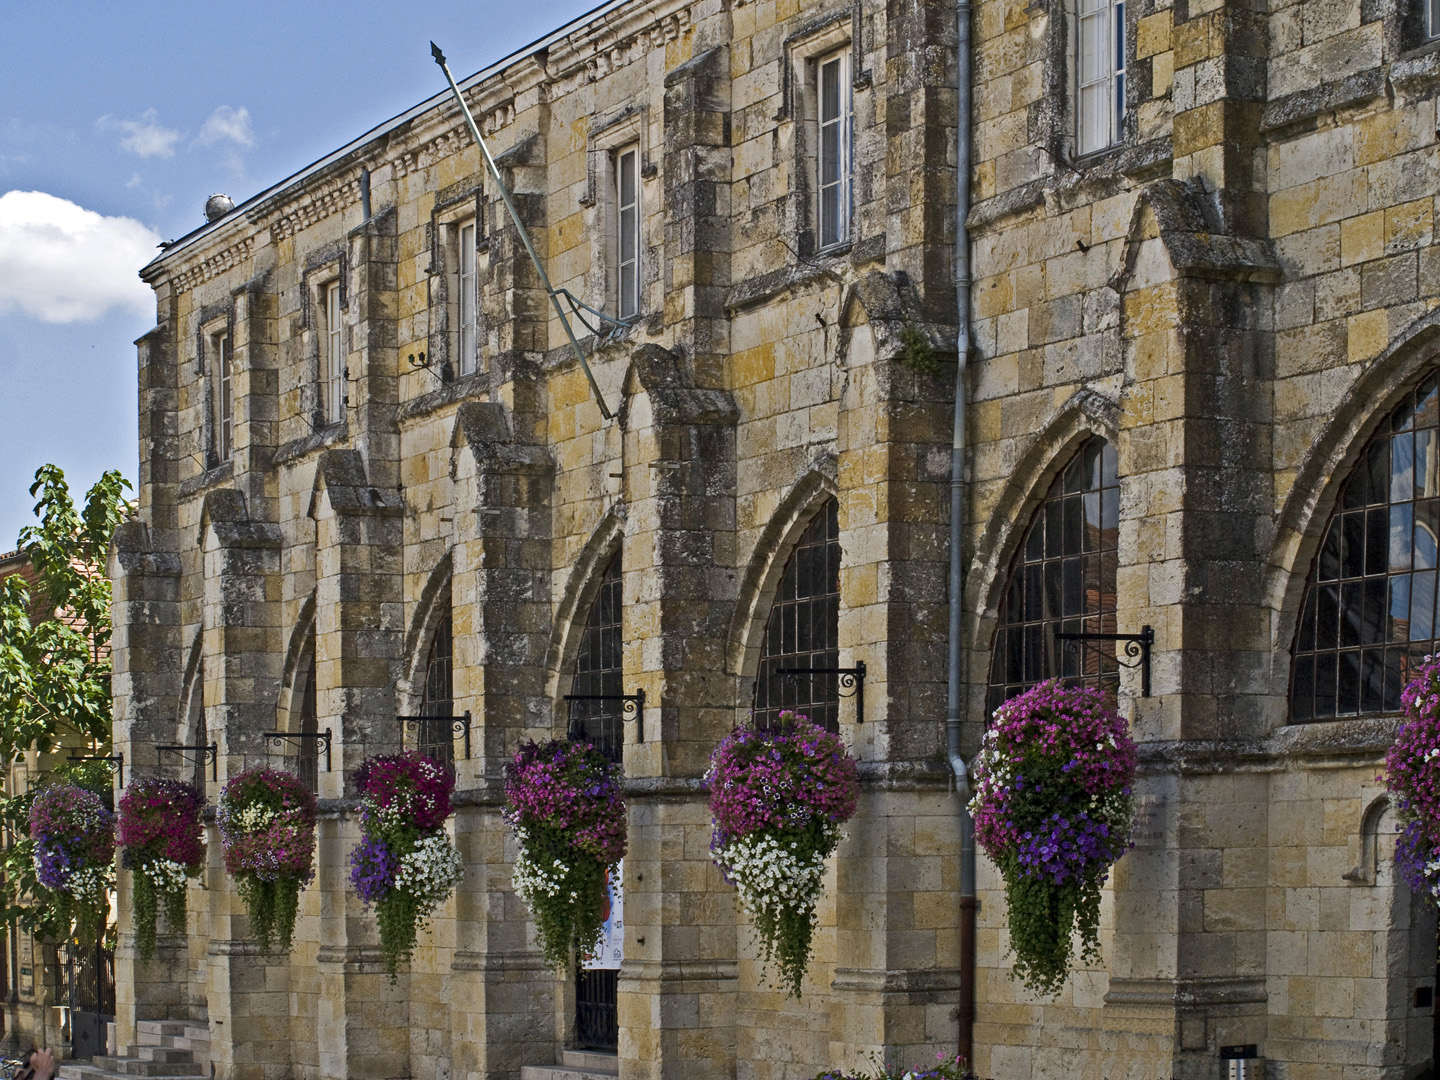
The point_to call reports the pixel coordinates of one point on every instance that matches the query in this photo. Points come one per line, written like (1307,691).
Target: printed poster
(612,939)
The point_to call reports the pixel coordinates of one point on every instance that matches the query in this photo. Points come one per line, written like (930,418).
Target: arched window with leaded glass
(1368,617)
(436,736)
(804,629)
(596,711)
(1063,581)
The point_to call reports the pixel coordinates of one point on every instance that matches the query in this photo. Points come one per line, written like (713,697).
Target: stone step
(575,1065)
(157,1028)
(593,1060)
(81,1070)
(129,1066)
(159,1053)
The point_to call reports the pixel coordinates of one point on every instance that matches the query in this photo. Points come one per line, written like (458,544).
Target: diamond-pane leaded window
(1369,612)
(804,629)
(1063,579)
(599,671)
(436,738)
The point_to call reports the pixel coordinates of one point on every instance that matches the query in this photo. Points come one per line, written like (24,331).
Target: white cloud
(145,137)
(62,263)
(228,125)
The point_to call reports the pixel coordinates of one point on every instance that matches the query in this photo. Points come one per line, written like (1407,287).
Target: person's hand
(43,1062)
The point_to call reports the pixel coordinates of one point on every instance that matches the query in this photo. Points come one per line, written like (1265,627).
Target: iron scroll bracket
(459,725)
(632,709)
(209,754)
(1137,647)
(851,679)
(321,738)
(117,762)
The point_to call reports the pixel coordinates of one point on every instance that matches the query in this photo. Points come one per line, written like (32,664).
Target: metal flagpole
(520,226)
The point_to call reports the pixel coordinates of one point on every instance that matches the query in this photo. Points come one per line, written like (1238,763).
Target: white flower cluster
(774,876)
(166,875)
(532,879)
(430,871)
(254,816)
(90,883)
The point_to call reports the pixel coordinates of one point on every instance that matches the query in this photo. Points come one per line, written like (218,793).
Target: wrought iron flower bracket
(1137,647)
(321,738)
(459,725)
(851,679)
(632,709)
(209,755)
(117,763)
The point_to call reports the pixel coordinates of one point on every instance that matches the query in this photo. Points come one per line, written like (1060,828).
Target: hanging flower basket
(74,837)
(1053,809)
(267,833)
(1412,776)
(405,864)
(562,802)
(777,801)
(161,832)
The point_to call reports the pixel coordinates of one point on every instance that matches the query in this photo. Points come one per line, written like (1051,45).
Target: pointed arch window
(599,670)
(308,753)
(1369,612)
(1063,579)
(804,629)
(436,737)
(198,735)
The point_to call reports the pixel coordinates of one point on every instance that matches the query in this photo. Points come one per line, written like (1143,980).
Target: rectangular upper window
(1100,74)
(835,180)
(468,306)
(1432,18)
(224,396)
(627,232)
(332,357)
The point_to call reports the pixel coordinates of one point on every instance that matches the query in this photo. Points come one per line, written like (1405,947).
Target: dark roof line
(387,126)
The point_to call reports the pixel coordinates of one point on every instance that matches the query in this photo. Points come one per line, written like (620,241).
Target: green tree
(54,671)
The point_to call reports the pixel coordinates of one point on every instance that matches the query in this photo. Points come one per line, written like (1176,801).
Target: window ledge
(220,474)
(328,435)
(462,389)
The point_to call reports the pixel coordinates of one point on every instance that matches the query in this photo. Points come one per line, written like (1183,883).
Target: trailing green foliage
(916,350)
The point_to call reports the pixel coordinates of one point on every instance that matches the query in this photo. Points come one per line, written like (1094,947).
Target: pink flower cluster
(160,818)
(1066,740)
(780,779)
(571,787)
(1412,775)
(267,825)
(409,784)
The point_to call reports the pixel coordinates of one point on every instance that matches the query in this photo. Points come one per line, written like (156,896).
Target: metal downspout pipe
(965,1013)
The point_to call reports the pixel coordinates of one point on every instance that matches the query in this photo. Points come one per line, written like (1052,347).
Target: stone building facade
(374,483)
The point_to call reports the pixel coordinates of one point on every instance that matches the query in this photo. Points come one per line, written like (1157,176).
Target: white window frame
(224,352)
(834,98)
(467,299)
(332,355)
(1099,75)
(1432,19)
(628,223)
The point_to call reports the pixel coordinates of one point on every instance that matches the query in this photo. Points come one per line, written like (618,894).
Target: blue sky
(117,120)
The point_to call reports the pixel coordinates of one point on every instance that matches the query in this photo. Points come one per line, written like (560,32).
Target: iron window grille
(1063,581)
(1368,618)
(436,737)
(596,704)
(804,630)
